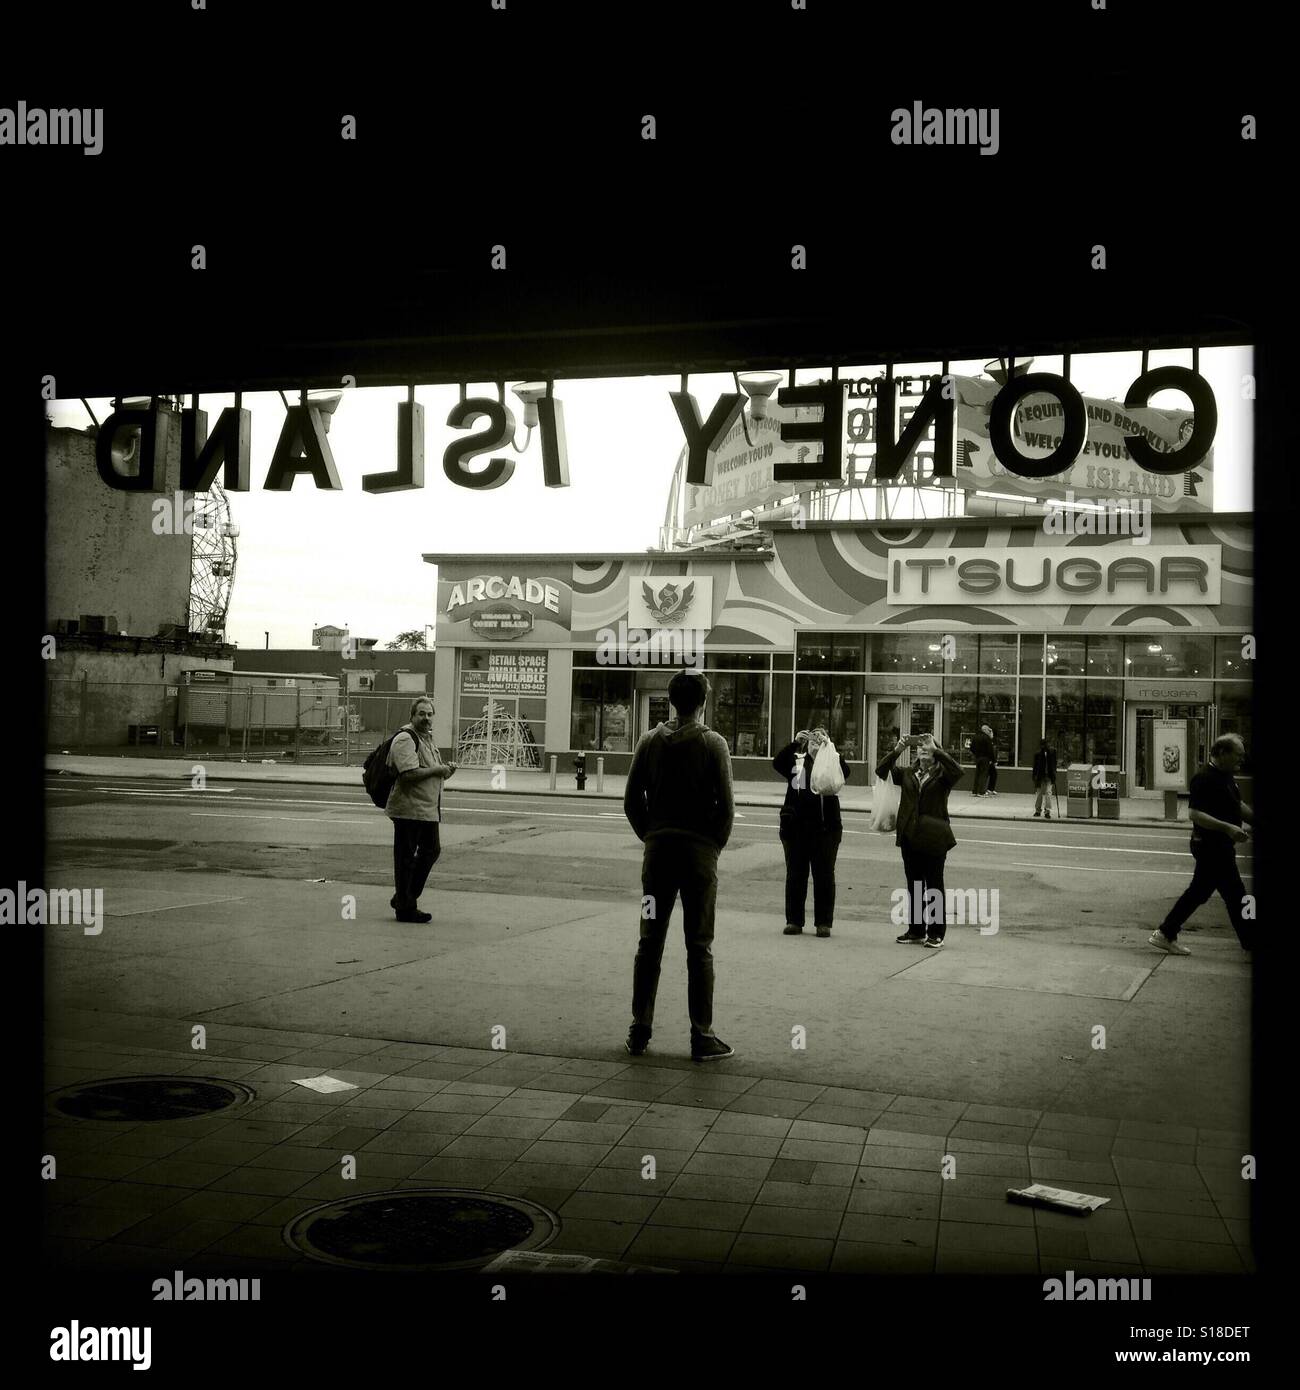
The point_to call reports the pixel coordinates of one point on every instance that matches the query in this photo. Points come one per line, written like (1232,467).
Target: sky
(307,558)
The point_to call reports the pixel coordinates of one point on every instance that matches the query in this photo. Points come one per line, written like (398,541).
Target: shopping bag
(827,779)
(884,805)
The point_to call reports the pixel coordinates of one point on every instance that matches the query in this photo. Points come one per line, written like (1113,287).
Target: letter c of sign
(494,587)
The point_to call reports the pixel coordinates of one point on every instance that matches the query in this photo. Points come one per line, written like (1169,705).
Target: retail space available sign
(1104,469)
(1169,575)
(508,673)
(491,606)
(654,601)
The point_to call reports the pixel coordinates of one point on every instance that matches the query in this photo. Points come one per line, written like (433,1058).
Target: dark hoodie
(680,784)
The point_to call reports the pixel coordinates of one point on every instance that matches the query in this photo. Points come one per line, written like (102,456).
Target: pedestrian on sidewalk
(993,759)
(1216,812)
(924,834)
(415,808)
(679,802)
(1044,775)
(811,831)
(981,749)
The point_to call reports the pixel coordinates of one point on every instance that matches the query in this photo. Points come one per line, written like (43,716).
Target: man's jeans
(416,849)
(677,864)
(1043,797)
(1216,871)
(981,776)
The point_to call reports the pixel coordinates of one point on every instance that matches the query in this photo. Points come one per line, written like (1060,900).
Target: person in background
(415,808)
(1044,775)
(811,830)
(1216,812)
(993,759)
(679,802)
(924,834)
(981,749)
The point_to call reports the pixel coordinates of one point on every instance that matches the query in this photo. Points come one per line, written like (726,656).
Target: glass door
(1141,746)
(891,717)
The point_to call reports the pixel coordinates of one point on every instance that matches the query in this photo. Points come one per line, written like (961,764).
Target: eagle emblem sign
(672,603)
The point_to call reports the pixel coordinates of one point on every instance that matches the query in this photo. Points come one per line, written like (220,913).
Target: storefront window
(1103,703)
(736,661)
(601,715)
(997,656)
(960,716)
(1064,717)
(846,652)
(782,661)
(915,651)
(997,709)
(1235,717)
(966,662)
(813,651)
(1105,656)
(738,711)
(782,712)
(1066,656)
(836,703)
(1229,664)
(1031,655)
(1169,655)
(1031,720)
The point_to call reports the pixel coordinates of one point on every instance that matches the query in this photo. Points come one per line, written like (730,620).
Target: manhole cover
(140,1098)
(421,1229)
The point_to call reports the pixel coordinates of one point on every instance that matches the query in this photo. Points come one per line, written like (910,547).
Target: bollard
(580,763)
(555,762)
(1171,805)
(600,774)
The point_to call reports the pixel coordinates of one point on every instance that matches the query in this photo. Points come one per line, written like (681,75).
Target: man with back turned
(679,803)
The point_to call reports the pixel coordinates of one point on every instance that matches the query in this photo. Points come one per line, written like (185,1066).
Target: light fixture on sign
(758,386)
(997,369)
(530,392)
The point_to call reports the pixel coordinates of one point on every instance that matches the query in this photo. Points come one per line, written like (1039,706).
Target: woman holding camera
(924,832)
(811,831)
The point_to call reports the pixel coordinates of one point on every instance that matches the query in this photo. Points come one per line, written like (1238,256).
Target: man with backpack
(414,805)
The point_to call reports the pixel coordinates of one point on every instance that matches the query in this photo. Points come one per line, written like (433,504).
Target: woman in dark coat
(811,831)
(924,834)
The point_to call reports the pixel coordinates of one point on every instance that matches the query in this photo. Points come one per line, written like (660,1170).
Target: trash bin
(1078,790)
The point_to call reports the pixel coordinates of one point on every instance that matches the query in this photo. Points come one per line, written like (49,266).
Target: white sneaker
(1159,940)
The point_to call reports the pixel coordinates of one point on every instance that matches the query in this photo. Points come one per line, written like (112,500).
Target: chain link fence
(219,721)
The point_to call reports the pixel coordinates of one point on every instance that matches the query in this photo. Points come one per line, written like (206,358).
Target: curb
(235,775)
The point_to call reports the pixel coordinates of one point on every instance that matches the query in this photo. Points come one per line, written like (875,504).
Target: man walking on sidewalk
(1216,812)
(679,803)
(415,808)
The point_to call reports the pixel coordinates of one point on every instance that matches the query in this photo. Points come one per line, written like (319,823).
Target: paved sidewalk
(751,1174)
(855,796)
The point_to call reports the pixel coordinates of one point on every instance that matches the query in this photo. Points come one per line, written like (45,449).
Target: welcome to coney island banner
(1104,471)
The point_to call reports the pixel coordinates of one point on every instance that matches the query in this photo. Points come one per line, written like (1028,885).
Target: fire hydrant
(580,762)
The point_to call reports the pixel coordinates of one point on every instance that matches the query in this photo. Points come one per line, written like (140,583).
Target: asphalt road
(1048,875)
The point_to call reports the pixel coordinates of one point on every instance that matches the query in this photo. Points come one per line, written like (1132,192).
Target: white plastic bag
(884,805)
(827,779)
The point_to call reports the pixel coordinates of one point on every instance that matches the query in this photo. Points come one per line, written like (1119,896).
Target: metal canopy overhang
(438,331)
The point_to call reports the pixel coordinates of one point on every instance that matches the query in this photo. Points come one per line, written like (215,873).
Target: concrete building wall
(102,556)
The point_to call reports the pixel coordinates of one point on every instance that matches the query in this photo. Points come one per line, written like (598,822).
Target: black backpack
(376,774)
